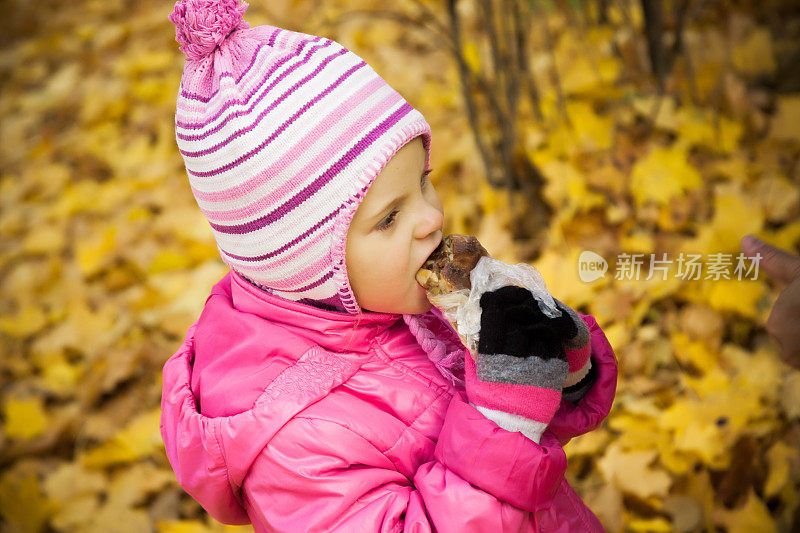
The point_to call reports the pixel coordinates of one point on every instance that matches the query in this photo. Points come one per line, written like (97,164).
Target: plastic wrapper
(462,307)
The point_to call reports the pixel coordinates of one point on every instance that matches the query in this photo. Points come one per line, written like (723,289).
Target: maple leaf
(632,472)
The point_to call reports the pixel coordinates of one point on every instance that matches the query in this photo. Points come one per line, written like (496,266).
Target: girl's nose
(431,220)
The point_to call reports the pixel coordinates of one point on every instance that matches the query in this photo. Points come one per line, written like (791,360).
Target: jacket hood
(337,331)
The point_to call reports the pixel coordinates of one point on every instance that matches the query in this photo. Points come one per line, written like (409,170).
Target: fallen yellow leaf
(28,320)
(781,457)
(786,119)
(471,56)
(94,253)
(752,516)
(140,438)
(779,197)
(22,504)
(25,419)
(650,525)
(790,394)
(695,353)
(632,471)
(742,297)
(663,174)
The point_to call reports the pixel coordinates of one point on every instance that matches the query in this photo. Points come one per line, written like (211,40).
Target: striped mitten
(578,351)
(517,377)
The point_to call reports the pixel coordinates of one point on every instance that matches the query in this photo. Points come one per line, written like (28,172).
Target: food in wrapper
(448,267)
(460,270)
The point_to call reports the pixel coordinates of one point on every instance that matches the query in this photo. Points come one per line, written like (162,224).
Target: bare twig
(465,89)
(686,12)
(501,116)
(602,12)
(488,14)
(522,61)
(580,27)
(549,42)
(431,17)
(654,31)
(512,92)
(506,60)
(681,9)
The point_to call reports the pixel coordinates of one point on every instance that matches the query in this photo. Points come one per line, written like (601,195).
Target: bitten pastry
(448,267)
(446,274)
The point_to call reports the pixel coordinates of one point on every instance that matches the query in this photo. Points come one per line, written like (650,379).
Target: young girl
(319,390)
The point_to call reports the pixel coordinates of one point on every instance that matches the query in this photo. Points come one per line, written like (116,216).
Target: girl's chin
(425,305)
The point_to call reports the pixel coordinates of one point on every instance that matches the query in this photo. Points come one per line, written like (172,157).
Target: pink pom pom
(201,25)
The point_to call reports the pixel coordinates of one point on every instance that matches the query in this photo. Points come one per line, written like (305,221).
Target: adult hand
(784,320)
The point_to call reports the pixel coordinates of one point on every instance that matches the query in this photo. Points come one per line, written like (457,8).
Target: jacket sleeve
(317,475)
(576,418)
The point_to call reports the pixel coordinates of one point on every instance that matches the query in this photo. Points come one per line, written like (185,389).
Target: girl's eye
(388,221)
(390,218)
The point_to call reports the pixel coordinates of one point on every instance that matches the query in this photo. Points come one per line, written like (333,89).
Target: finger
(783,321)
(792,357)
(788,346)
(776,262)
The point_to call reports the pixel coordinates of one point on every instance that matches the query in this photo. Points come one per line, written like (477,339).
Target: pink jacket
(287,417)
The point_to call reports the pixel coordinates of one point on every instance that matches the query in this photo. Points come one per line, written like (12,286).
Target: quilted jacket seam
(349,430)
(378,349)
(223,454)
(411,424)
(581,506)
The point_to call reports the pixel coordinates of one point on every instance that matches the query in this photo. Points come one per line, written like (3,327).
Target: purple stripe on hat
(289,244)
(340,113)
(311,285)
(317,184)
(247,111)
(264,113)
(243,101)
(329,304)
(299,239)
(205,99)
(270,42)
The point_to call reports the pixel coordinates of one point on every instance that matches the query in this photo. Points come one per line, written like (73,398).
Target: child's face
(394,230)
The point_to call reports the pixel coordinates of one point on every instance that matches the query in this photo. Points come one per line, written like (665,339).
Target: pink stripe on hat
(273,199)
(291,254)
(245,112)
(311,272)
(303,146)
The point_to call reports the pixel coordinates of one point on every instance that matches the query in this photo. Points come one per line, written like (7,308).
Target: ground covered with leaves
(105,259)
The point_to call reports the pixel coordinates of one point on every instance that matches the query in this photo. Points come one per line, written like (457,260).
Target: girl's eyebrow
(388,207)
(396,201)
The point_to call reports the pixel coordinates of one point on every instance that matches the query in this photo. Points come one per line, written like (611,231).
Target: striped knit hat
(282,133)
